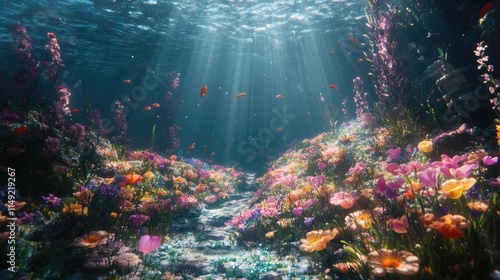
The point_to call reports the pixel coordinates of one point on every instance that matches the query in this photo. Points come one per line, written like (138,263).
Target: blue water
(262,48)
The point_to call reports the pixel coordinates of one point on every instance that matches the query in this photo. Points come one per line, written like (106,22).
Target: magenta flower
(399,225)
(321,165)
(148,244)
(393,154)
(487,160)
(297,211)
(427,178)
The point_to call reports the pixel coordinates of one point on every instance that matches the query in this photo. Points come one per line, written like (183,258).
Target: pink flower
(297,211)
(487,160)
(344,199)
(399,225)
(148,244)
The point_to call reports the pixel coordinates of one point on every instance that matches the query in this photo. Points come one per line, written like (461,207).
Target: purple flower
(138,220)
(26,218)
(308,221)
(388,190)
(487,160)
(321,165)
(52,200)
(427,177)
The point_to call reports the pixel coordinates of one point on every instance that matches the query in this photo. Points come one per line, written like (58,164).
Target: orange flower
(316,240)
(133,178)
(270,234)
(427,219)
(451,226)
(76,209)
(91,239)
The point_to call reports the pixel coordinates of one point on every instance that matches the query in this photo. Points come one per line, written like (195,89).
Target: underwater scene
(249,139)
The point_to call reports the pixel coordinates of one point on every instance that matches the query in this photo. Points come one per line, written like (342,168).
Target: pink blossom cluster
(360,98)
(488,78)
(53,66)
(22,46)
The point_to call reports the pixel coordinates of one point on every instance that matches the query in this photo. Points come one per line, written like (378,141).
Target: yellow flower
(76,209)
(386,261)
(453,188)
(425,146)
(148,176)
(270,234)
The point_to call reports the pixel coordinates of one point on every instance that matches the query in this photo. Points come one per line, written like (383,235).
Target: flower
(76,209)
(344,199)
(138,220)
(52,200)
(399,225)
(425,146)
(488,160)
(133,178)
(91,239)
(321,165)
(453,188)
(363,218)
(297,211)
(451,226)
(316,240)
(386,261)
(148,176)
(270,234)
(308,221)
(148,244)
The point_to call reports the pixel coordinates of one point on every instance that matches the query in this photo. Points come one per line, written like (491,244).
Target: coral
(51,147)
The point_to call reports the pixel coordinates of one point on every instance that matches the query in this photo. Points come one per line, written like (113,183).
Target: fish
(332,52)
(60,87)
(127,81)
(156,105)
(51,35)
(353,40)
(240,95)
(147,108)
(333,86)
(360,60)
(203,91)
(75,111)
(485,9)
(20,130)
(279,96)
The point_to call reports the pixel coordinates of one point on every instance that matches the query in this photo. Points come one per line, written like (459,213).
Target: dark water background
(263,48)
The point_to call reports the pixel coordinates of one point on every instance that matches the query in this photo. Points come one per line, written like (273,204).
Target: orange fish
(240,95)
(192,146)
(147,108)
(75,111)
(203,91)
(360,60)
(279,96)
(353,40)
(127,81)
(156,105)
(20,130)
(333,86)
(51,35)
(133,178)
